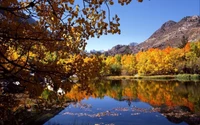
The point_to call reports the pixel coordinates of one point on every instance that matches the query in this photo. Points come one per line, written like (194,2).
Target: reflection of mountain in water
(179,114)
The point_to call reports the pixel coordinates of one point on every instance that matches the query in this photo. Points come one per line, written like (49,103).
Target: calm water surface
(131,103)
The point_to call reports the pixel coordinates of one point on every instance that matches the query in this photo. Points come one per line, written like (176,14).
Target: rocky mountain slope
(169,34)
(121,49)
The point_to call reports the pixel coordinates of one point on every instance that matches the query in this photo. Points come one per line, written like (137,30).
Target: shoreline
(180,77)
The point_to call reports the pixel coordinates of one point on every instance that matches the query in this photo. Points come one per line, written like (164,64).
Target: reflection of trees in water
(191,91)
(156,93)
(7,102)
(179,114)
(170,93)
(165,96)
(20,102)
(159,93)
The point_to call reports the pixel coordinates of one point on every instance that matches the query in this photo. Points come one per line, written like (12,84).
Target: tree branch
(12,9)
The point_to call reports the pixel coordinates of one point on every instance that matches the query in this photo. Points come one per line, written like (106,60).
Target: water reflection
(132,102)
(108,111)
(21,102)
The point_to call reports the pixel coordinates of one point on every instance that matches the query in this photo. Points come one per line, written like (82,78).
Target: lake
(131,102)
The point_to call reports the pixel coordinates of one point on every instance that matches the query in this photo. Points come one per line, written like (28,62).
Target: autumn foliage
(156,61)
(48,38)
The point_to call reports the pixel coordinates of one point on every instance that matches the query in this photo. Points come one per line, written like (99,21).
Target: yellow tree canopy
(49,36)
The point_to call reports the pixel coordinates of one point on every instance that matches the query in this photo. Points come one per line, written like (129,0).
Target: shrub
(115,69)
(195,77)
(183,76)
(188,76)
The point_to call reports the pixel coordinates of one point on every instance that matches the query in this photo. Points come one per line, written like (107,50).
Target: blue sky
(139,20)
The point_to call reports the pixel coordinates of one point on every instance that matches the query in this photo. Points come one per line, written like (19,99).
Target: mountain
(119,49)
(133,44)
(96,51)
(169,34)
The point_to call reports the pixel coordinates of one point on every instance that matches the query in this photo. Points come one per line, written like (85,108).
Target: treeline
(156,61)
(58,64)
(151,62)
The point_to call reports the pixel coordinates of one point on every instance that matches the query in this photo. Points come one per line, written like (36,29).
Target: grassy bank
(188,76)
(163,77)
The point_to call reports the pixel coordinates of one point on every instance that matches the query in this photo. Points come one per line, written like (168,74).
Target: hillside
(169,34)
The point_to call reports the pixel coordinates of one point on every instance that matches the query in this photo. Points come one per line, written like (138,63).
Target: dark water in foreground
(132,103)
